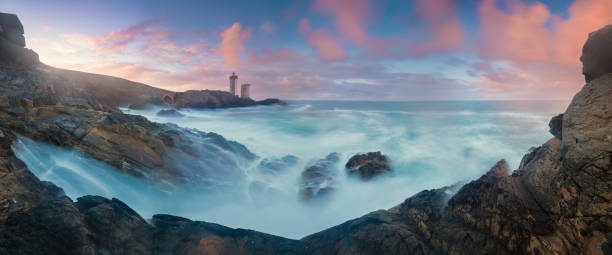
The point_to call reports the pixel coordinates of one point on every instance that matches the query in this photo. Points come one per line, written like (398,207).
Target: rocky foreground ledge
(557,202)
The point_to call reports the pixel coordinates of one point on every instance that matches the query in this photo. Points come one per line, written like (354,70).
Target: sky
(325,49)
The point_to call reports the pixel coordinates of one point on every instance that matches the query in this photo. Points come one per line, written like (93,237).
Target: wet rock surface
(319,177)
(368,165)
(273,166)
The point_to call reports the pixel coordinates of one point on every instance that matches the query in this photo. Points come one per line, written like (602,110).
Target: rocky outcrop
(12,43)
(319,177)
(597,54)
(556,126)
(44,109)
(11,29)
(368,165)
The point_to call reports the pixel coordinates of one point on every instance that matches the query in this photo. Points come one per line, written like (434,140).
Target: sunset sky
(325,49)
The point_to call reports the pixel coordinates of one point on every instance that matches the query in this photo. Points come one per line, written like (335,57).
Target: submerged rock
(277,165)
(169,113)
(368,165)
(271,101)
(319,178)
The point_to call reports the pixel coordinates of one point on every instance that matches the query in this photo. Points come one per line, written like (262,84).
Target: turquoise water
(430,144)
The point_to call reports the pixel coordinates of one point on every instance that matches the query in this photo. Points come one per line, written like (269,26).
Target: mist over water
(430,144)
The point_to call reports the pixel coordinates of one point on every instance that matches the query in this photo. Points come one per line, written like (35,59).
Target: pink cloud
(232,44)
(267,28)
(530,33)
(443,29)
(539,50)
(47,28)
(350,18)
(328,48)
(118,40)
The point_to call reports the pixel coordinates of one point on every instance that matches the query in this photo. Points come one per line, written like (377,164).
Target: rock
(12,43)
(114,226)
(209,99)
(169,113)
(11,29)
(42,109)
(176,235)
(368,165)
(528,157)
(36,218)
(556,126)
(271,101)
(597,54)
(319,177)
(275,166)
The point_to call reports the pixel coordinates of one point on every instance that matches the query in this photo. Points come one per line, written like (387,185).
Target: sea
(430,144)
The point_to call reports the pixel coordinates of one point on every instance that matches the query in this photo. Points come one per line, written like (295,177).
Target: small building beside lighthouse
(232,88)
(245,90)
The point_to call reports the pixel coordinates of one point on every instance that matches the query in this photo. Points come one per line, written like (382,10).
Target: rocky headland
(556,202)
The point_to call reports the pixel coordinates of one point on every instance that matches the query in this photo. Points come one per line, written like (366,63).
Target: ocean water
(430,144)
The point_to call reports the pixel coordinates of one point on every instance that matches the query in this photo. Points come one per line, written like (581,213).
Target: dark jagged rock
(319,178)
(183,236)
(597,54)
(169,113)
(368,165)
(556,126)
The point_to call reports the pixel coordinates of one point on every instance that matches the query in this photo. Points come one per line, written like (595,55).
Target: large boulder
(368,165)
(597,54)
(319,177)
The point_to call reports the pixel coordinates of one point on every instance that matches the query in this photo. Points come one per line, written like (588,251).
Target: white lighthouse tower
(232,88)
(244,90)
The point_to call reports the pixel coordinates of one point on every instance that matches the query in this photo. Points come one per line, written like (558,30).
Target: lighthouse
(244,90)
(232,88)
